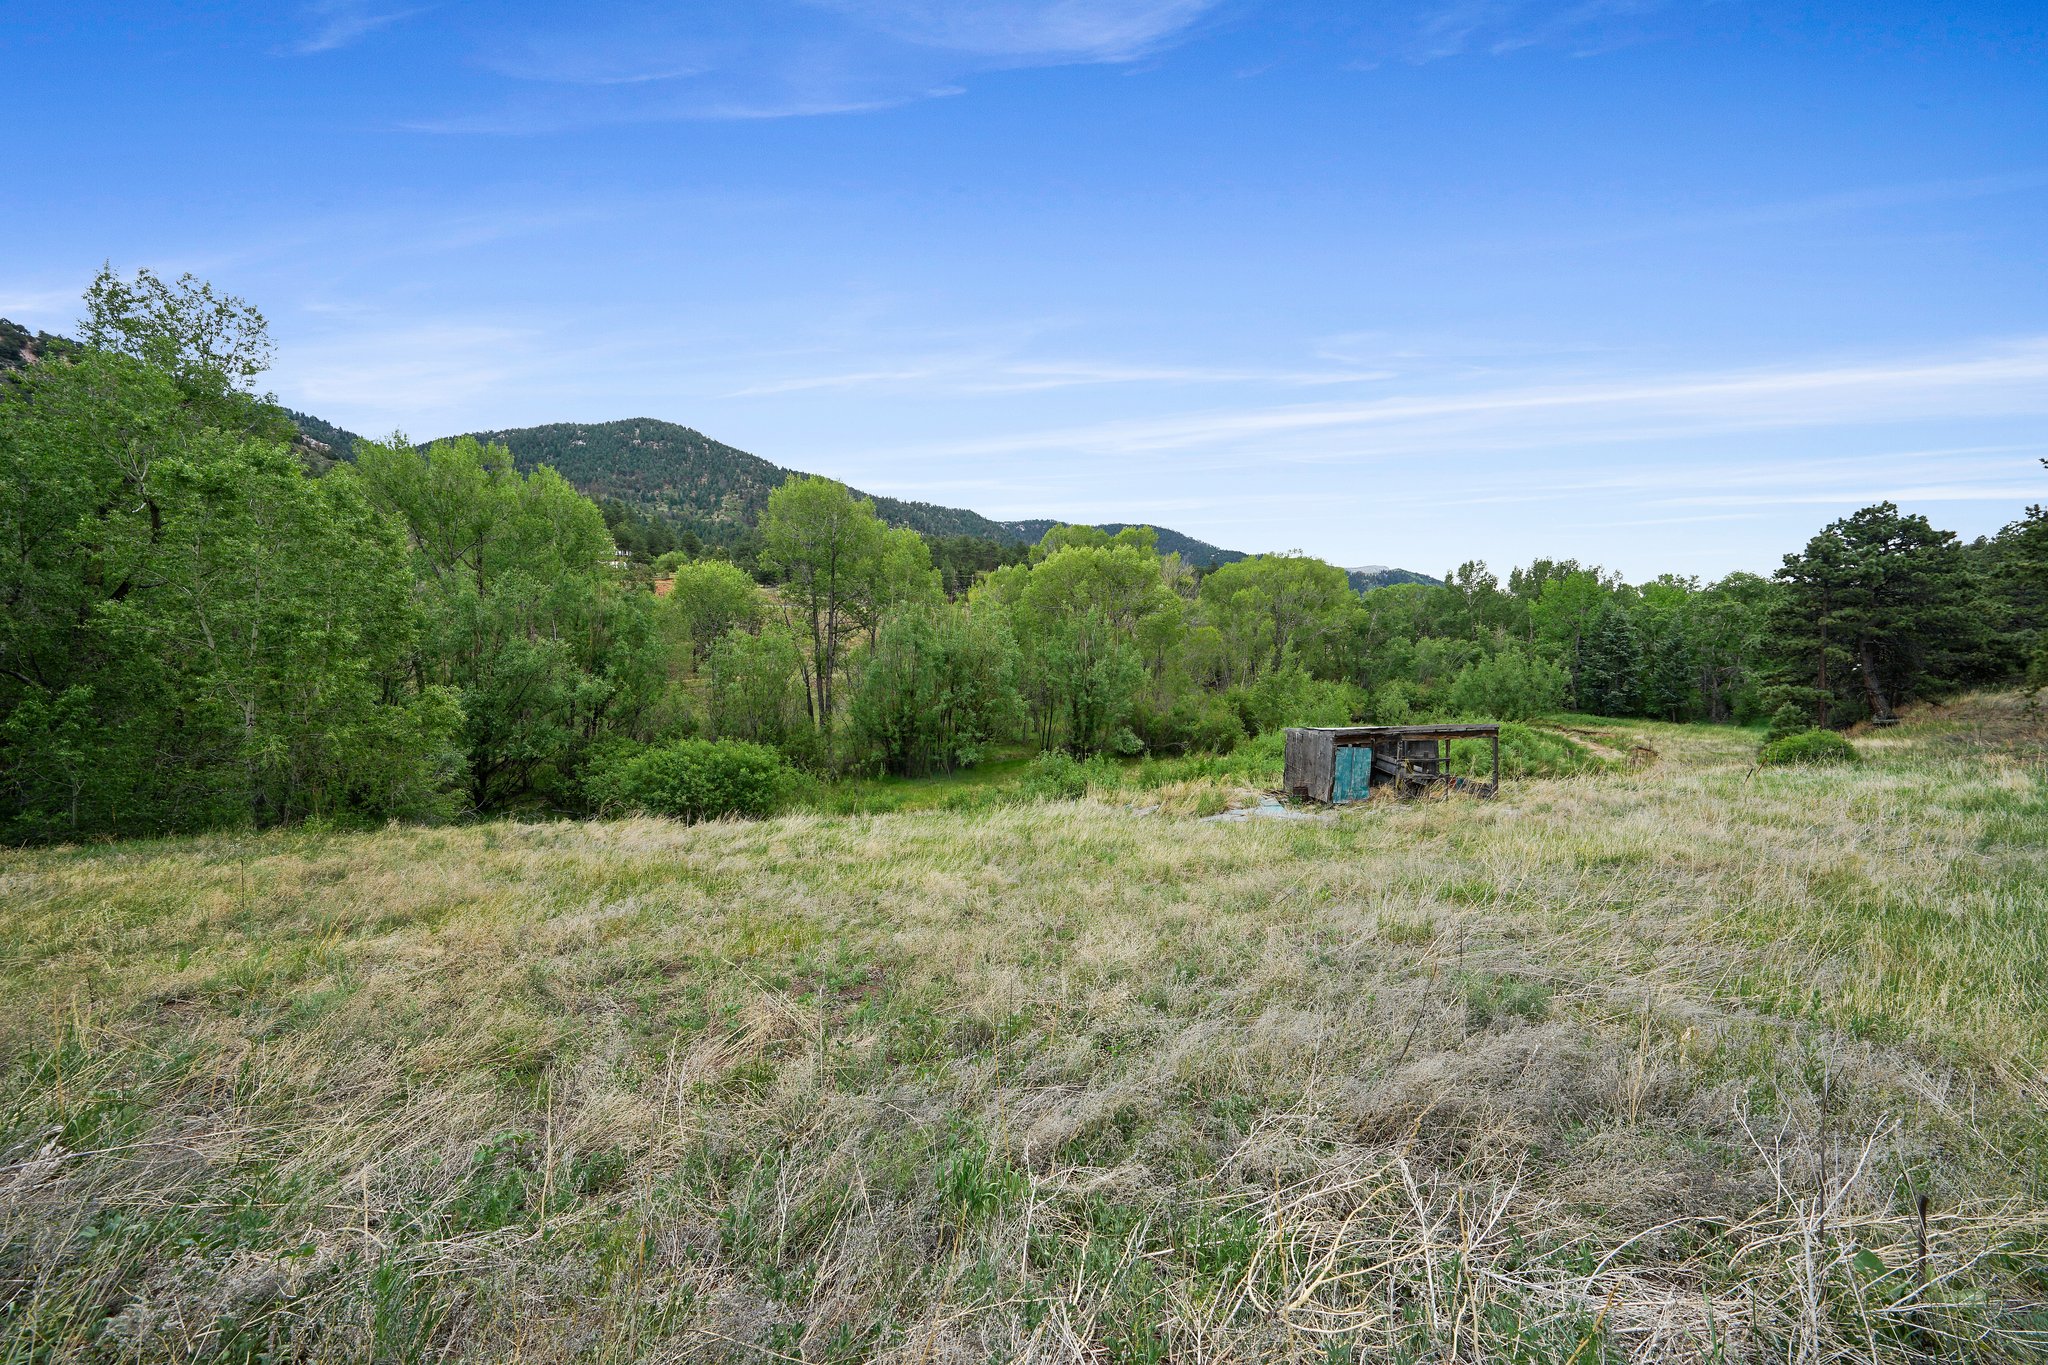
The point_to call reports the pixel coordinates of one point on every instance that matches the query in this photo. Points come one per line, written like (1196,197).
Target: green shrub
(1291,697)
(757,691)
(1059,776)
(1193,724)
(1510,685)
(1785,721)
(938,687)
(694,779)
(1808,747)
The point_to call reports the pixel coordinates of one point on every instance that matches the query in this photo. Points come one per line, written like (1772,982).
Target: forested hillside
(1380,576)
(19,346)
(332,441)
(693,482)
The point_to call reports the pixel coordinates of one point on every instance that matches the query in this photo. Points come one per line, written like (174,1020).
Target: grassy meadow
(1656,1060)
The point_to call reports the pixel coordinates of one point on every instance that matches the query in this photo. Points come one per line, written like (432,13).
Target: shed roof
(1394,731)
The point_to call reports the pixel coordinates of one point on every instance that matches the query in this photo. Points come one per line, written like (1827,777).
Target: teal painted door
(1354,774)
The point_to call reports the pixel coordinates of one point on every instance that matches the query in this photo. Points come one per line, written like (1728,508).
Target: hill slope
(687,477)
(329,439)
(681,474)
(1370,576)
(20,347)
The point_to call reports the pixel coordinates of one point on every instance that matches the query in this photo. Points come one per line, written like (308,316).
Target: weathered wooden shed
(1335,764)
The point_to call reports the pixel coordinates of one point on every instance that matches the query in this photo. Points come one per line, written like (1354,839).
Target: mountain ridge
(677,472)
(1366,577)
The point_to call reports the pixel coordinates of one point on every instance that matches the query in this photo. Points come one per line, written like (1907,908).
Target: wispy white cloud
(2003,379)
(1868,490)
(40,308)
(1456,28)
(1807,208)
(419,373)
(333,24)
(791,58)
(971,376)
(1767,483)
(1030,30)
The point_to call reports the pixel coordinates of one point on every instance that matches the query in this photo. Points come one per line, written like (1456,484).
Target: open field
(1652,1063)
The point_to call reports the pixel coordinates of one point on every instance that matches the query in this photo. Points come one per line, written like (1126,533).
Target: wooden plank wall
(1311,765)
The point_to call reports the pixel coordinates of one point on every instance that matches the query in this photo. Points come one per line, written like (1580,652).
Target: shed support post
(1496,764)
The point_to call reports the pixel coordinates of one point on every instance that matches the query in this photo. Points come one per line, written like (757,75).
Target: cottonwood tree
(469,512)
(1271,607)
(1726,632)
(826,546)
(938,689)
(211,346)
(898,576)
(550,655)
(757,690)
(1510,685)
(195,633)
(1079,616)
(709,599)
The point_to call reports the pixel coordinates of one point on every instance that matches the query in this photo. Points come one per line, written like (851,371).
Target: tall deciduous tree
(470,513)
(939,687)
(832,554)
(709,598)
(1271,607)
(195,633)
(550,655)
(1080,616)
(757,690)
(1726,629)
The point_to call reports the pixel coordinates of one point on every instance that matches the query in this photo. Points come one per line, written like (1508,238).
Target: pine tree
(1874,613)
(1611,663)
(1670,665)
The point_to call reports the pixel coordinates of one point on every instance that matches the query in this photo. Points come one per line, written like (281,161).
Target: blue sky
(1663,286)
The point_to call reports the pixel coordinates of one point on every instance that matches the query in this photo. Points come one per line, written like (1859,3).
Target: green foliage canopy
(195,633)
(937,691)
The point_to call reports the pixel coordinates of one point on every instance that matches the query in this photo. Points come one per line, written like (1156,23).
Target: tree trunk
(1866,664)
(1822,687)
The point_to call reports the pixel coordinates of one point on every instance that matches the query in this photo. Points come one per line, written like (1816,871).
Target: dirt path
(1638,754)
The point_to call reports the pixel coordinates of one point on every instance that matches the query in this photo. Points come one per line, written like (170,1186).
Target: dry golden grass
(1651,1065)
